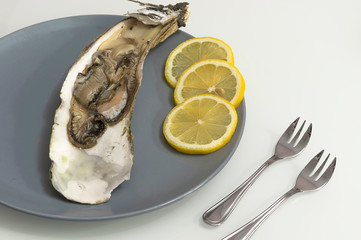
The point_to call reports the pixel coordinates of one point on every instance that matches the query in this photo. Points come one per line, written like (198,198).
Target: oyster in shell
(91,145)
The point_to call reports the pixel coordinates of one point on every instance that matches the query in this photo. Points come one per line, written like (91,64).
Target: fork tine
(289,131)
(329,171)
(297,134)
(305,138)
(317,173)
(308,169)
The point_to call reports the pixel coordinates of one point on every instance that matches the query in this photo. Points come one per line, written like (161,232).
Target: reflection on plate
(33,64)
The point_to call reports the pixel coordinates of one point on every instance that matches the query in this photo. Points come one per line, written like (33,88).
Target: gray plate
(33,64)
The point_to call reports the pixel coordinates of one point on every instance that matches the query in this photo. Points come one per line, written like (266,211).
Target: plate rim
(138,212)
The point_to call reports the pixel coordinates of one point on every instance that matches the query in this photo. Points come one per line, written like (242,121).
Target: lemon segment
(201,124)
(211,76)
(194,50)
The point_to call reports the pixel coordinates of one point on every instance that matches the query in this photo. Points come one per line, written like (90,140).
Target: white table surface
(299,58)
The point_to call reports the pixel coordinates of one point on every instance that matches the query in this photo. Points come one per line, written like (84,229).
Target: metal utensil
(308,180)
(286,147)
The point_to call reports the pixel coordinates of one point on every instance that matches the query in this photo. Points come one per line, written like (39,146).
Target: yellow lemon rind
(167,71)
(196,148)
(237,99)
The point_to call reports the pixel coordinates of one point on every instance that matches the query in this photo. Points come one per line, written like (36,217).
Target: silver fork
(309,179)
(285,148)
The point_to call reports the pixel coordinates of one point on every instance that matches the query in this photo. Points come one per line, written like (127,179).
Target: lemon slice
(211,76)
(194,50)
(201,124)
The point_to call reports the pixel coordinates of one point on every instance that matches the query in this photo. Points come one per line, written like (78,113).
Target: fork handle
(246,231)
(218,213)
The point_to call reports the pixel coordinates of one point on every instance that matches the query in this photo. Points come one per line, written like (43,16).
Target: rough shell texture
(91,145)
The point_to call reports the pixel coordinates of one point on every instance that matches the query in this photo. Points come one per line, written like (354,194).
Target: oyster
(91,144)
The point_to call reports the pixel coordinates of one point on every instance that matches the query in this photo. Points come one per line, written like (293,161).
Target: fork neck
(272,160)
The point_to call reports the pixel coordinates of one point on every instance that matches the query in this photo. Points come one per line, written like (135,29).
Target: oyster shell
(91,145)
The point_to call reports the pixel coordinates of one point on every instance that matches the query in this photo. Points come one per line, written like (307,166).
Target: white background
(299,58)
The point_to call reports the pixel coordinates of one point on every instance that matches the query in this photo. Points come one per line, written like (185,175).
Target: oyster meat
(91,146)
